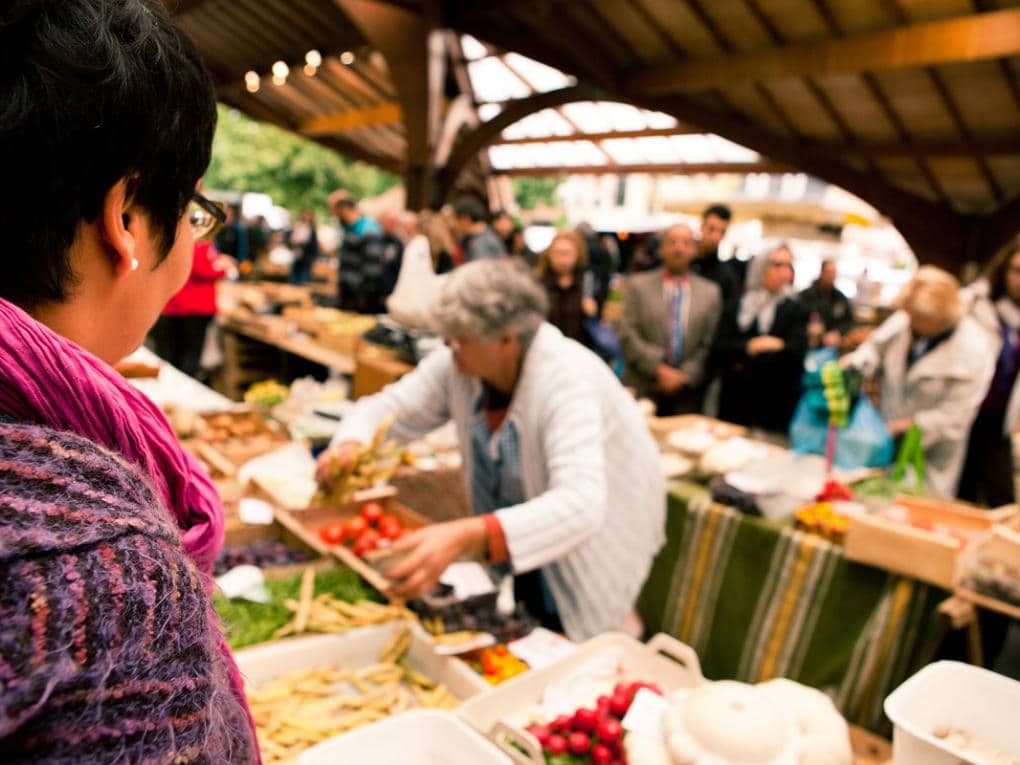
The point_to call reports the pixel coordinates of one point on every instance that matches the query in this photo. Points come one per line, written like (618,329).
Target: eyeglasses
(205,216)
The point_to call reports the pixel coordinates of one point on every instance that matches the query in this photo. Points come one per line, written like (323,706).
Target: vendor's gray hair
(488,297)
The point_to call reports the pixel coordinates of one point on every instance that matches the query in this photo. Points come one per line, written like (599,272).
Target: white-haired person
(935,366)
(562,473)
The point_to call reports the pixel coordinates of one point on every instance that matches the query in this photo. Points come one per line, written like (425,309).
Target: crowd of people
(702,334)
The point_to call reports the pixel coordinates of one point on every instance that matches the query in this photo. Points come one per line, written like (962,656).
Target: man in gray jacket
(669,321)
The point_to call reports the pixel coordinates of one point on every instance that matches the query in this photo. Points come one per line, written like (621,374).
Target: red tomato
(585,720)
(333,534)
(371,512)
(389,527)
(601,754)
(579,743)
(353,528)
(610,731)
(368,540)
(556,744)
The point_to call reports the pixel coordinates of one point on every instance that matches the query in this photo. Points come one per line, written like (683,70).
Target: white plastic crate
(419,737)
(663,660)
(952,695)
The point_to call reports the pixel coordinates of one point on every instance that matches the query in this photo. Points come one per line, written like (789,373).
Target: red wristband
(498,552)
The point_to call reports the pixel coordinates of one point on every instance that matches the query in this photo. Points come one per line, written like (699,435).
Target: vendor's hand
(589,307)
(765,344)
(335,459)
(832,339)
(670,379)
(431,550)
(899,427)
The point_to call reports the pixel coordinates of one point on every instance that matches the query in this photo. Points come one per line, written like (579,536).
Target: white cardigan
(595,506)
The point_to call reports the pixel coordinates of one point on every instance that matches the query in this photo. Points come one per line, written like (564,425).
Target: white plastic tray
(949,694)
(663,660)
(357,648)
(419,737)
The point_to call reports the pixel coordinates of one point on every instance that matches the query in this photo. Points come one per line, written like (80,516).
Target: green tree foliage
(250,156)
(532,191)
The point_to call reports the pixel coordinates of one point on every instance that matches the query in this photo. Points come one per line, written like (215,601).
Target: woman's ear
(118,229)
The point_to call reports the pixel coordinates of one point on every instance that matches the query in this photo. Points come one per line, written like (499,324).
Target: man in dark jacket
(831,306)
(714,222)
(477,237)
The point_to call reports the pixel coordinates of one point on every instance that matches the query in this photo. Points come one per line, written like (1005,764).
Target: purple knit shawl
(46,379)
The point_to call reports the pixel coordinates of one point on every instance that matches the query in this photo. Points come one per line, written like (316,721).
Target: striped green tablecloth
(759,600)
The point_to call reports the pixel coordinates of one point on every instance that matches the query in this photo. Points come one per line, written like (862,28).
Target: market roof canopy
(913,105)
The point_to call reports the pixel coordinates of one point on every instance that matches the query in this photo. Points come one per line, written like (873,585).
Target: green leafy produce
(246,623)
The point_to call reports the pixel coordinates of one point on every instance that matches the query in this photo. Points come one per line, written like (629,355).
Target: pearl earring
(134,264)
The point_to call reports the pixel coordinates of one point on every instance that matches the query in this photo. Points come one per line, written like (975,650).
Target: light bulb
(280,69)
(347,58)
(252,81)
(277,80)
(310,70)
(314,59)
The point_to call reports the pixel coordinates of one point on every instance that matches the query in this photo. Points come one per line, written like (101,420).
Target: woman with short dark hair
(109,647)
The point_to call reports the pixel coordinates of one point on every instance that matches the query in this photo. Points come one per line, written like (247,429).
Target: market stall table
(171,387)
(757,599)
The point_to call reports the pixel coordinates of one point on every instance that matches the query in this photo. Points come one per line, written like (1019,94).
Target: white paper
(541,648)
(255,511)
(645,713)
(244,582)
(467,579)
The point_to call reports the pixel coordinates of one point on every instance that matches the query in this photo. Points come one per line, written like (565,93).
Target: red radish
(579,743)
(610,731)
(619,704)
(556,744)
(585,720)
(561,724)
(601,755)
(540,732)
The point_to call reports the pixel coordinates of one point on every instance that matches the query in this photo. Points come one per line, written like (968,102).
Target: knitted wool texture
(108,642)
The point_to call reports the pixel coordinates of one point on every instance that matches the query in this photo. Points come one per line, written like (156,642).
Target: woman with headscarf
(760,347)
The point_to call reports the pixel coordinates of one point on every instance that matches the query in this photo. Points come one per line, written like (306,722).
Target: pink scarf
(48,380)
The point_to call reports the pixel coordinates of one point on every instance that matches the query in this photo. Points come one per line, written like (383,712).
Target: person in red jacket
(180,332)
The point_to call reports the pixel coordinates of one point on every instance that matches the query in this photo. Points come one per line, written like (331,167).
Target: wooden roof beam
(1003,146)
(578,136)
(352,119)
(966,38)
(673,168)
(478,138)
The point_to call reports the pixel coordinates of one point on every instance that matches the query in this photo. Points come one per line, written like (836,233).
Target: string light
(347,58)
(252,81)
(280,72)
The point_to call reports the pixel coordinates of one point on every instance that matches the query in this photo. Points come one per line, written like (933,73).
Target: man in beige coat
(669,322)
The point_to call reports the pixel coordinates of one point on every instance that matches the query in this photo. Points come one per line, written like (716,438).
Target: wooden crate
(246,533)
(306,524)
(1001,546)
(928,555)
(226,440)
(374,370)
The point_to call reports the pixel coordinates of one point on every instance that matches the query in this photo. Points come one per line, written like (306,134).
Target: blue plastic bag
(604,340)
(864,442)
